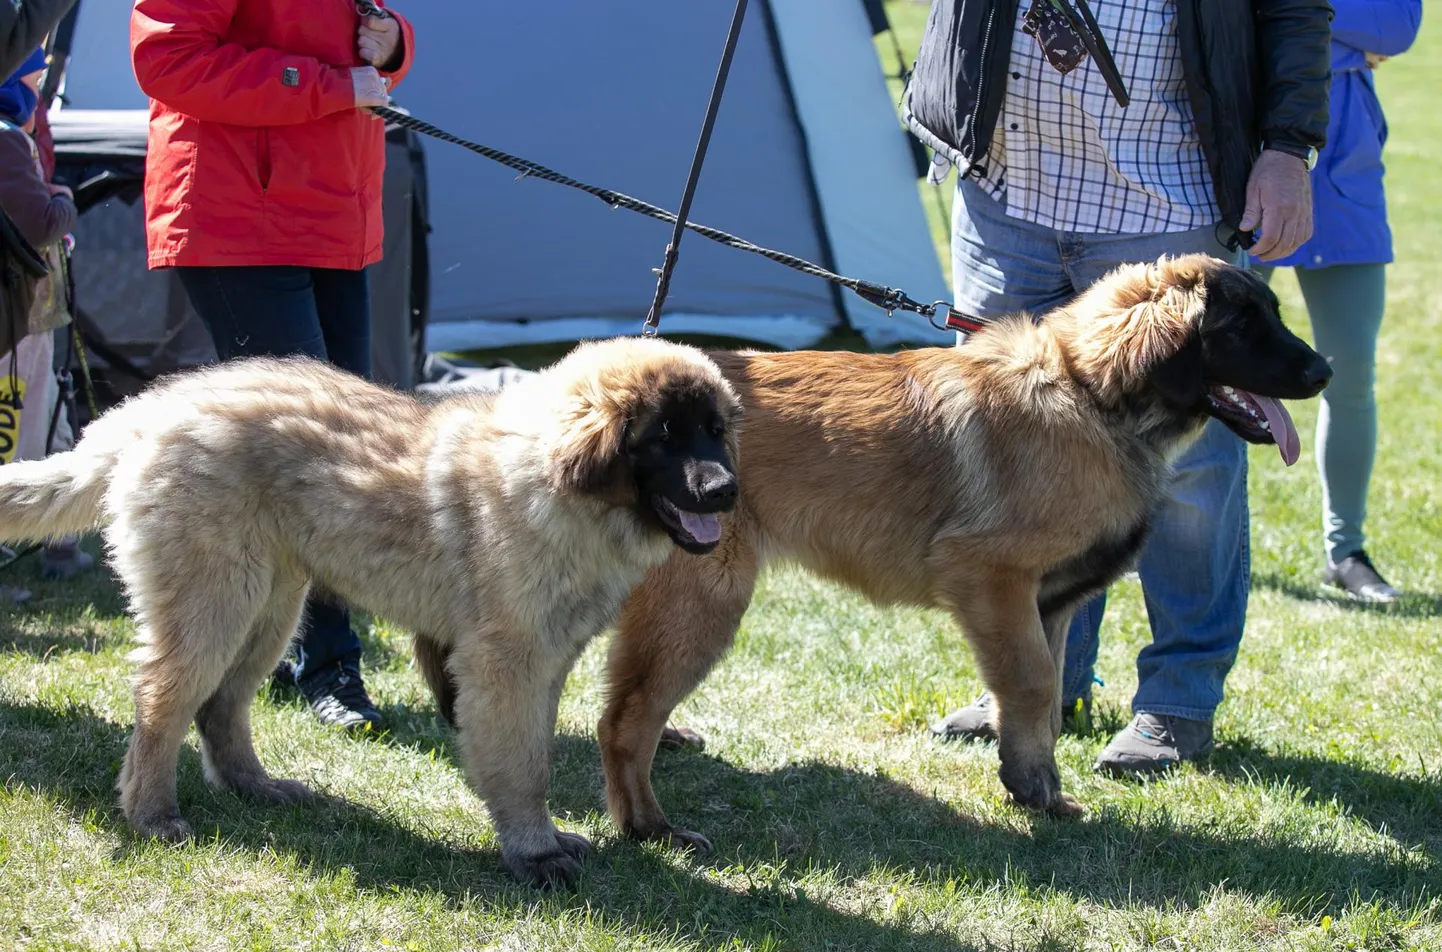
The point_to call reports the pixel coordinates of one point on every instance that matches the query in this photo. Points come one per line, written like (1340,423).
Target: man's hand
(61,190)
(370,87)
(1279,205)
(378,40)
(1376,59)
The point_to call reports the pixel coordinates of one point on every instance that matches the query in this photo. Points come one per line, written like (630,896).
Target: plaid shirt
(1067,157)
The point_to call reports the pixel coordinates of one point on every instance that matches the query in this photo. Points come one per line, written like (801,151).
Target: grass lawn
(838,824)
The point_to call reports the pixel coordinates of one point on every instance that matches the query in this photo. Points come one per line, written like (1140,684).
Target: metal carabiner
(931,316)
(368,8)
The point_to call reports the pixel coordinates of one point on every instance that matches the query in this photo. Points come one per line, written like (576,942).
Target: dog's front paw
(557,869)
(573,844)
(681,738)
(1037,786)
(686,840)
(170,828)
(281,791)
(670,836)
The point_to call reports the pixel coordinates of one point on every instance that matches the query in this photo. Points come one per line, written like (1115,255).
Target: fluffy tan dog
(506,528)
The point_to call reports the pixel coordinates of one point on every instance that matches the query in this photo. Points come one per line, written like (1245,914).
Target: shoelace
(1163,734)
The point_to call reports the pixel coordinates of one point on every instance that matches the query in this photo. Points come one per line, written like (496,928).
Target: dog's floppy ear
(1178,377)
(590,456)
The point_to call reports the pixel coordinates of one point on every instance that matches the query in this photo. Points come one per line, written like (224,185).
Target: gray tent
(808,157)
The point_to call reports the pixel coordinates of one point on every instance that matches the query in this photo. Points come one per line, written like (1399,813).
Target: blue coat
(1348,202)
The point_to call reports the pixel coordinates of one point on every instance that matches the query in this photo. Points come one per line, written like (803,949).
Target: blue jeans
(1195,570)
(1345,303)
(281,311)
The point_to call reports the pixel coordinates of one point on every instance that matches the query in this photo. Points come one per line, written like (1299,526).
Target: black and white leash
(888,298)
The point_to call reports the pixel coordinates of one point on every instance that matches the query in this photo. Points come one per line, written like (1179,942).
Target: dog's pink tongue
(1284,431)
(703,527)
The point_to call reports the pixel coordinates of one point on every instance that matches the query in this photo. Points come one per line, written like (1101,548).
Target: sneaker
(14,594)
(65,559)
(974,722)
(971,723)
(1356,576)
(1152,743)
(338,697)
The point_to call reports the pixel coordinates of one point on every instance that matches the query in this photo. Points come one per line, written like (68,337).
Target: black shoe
(284,674)
(338,697)
(1356,576)
(1153,743)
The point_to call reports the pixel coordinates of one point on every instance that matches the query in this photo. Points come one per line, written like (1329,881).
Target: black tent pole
(668,265)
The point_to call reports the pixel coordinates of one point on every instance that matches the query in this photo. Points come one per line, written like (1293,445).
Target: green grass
(838,824)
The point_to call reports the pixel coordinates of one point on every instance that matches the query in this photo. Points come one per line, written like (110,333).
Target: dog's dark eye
(717,428)
(665,435)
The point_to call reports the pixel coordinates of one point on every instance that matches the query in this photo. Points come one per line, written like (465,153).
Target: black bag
(21,268)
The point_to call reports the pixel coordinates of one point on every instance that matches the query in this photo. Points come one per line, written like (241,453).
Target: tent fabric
(807,157)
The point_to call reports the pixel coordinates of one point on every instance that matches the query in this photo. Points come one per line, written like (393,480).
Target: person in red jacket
(263,191)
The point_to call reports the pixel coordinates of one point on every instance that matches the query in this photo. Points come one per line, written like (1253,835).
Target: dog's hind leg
(193,623)
(227,749)
(674,628)
(1020,663)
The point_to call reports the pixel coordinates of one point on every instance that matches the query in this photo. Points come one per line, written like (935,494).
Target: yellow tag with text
(10,388)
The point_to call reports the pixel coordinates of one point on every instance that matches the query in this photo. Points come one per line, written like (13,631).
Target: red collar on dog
(960,322)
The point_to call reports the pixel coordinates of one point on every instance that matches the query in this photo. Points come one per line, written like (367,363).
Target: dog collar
(960,322)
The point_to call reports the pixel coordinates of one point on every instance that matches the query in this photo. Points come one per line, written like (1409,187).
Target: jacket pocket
(262,157)
(1354,167)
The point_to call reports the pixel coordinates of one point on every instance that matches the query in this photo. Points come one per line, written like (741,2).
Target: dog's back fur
(502,527)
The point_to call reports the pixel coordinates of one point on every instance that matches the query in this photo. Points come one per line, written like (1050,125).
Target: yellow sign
(10,416)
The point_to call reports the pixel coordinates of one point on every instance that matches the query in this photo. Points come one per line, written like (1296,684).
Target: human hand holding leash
(370,87)
(1279,205)
(378,40)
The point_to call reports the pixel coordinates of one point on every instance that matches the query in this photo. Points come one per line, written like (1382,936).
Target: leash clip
(931,311)
(368,8)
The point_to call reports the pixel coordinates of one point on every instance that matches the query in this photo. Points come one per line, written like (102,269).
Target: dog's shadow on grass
(821,815)
(1412,605)
(1408,808)
(769,828)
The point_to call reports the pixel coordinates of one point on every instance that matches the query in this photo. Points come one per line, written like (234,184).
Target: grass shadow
(818,814)
(1408,808)
(1414,605)
(625,887)
(74,612)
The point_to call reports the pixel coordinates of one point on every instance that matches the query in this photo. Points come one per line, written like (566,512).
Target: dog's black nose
(719,490)
(1319,374)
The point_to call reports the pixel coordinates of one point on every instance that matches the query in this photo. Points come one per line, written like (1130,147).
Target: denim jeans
(282,311)
(1195,570)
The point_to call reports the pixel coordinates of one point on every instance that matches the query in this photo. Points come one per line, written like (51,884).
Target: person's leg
(1346,304)
(1194,569)
(256,311)
(330,650)
(342,300)
(272,311)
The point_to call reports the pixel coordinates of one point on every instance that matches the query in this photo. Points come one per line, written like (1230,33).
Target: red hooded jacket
(257,154)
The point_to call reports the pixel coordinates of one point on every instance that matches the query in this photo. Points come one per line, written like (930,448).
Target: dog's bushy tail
(56,496)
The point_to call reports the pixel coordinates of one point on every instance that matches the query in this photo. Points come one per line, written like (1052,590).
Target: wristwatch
(1304,152)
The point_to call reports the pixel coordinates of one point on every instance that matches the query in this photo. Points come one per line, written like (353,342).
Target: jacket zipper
(981,84)
(262,159)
